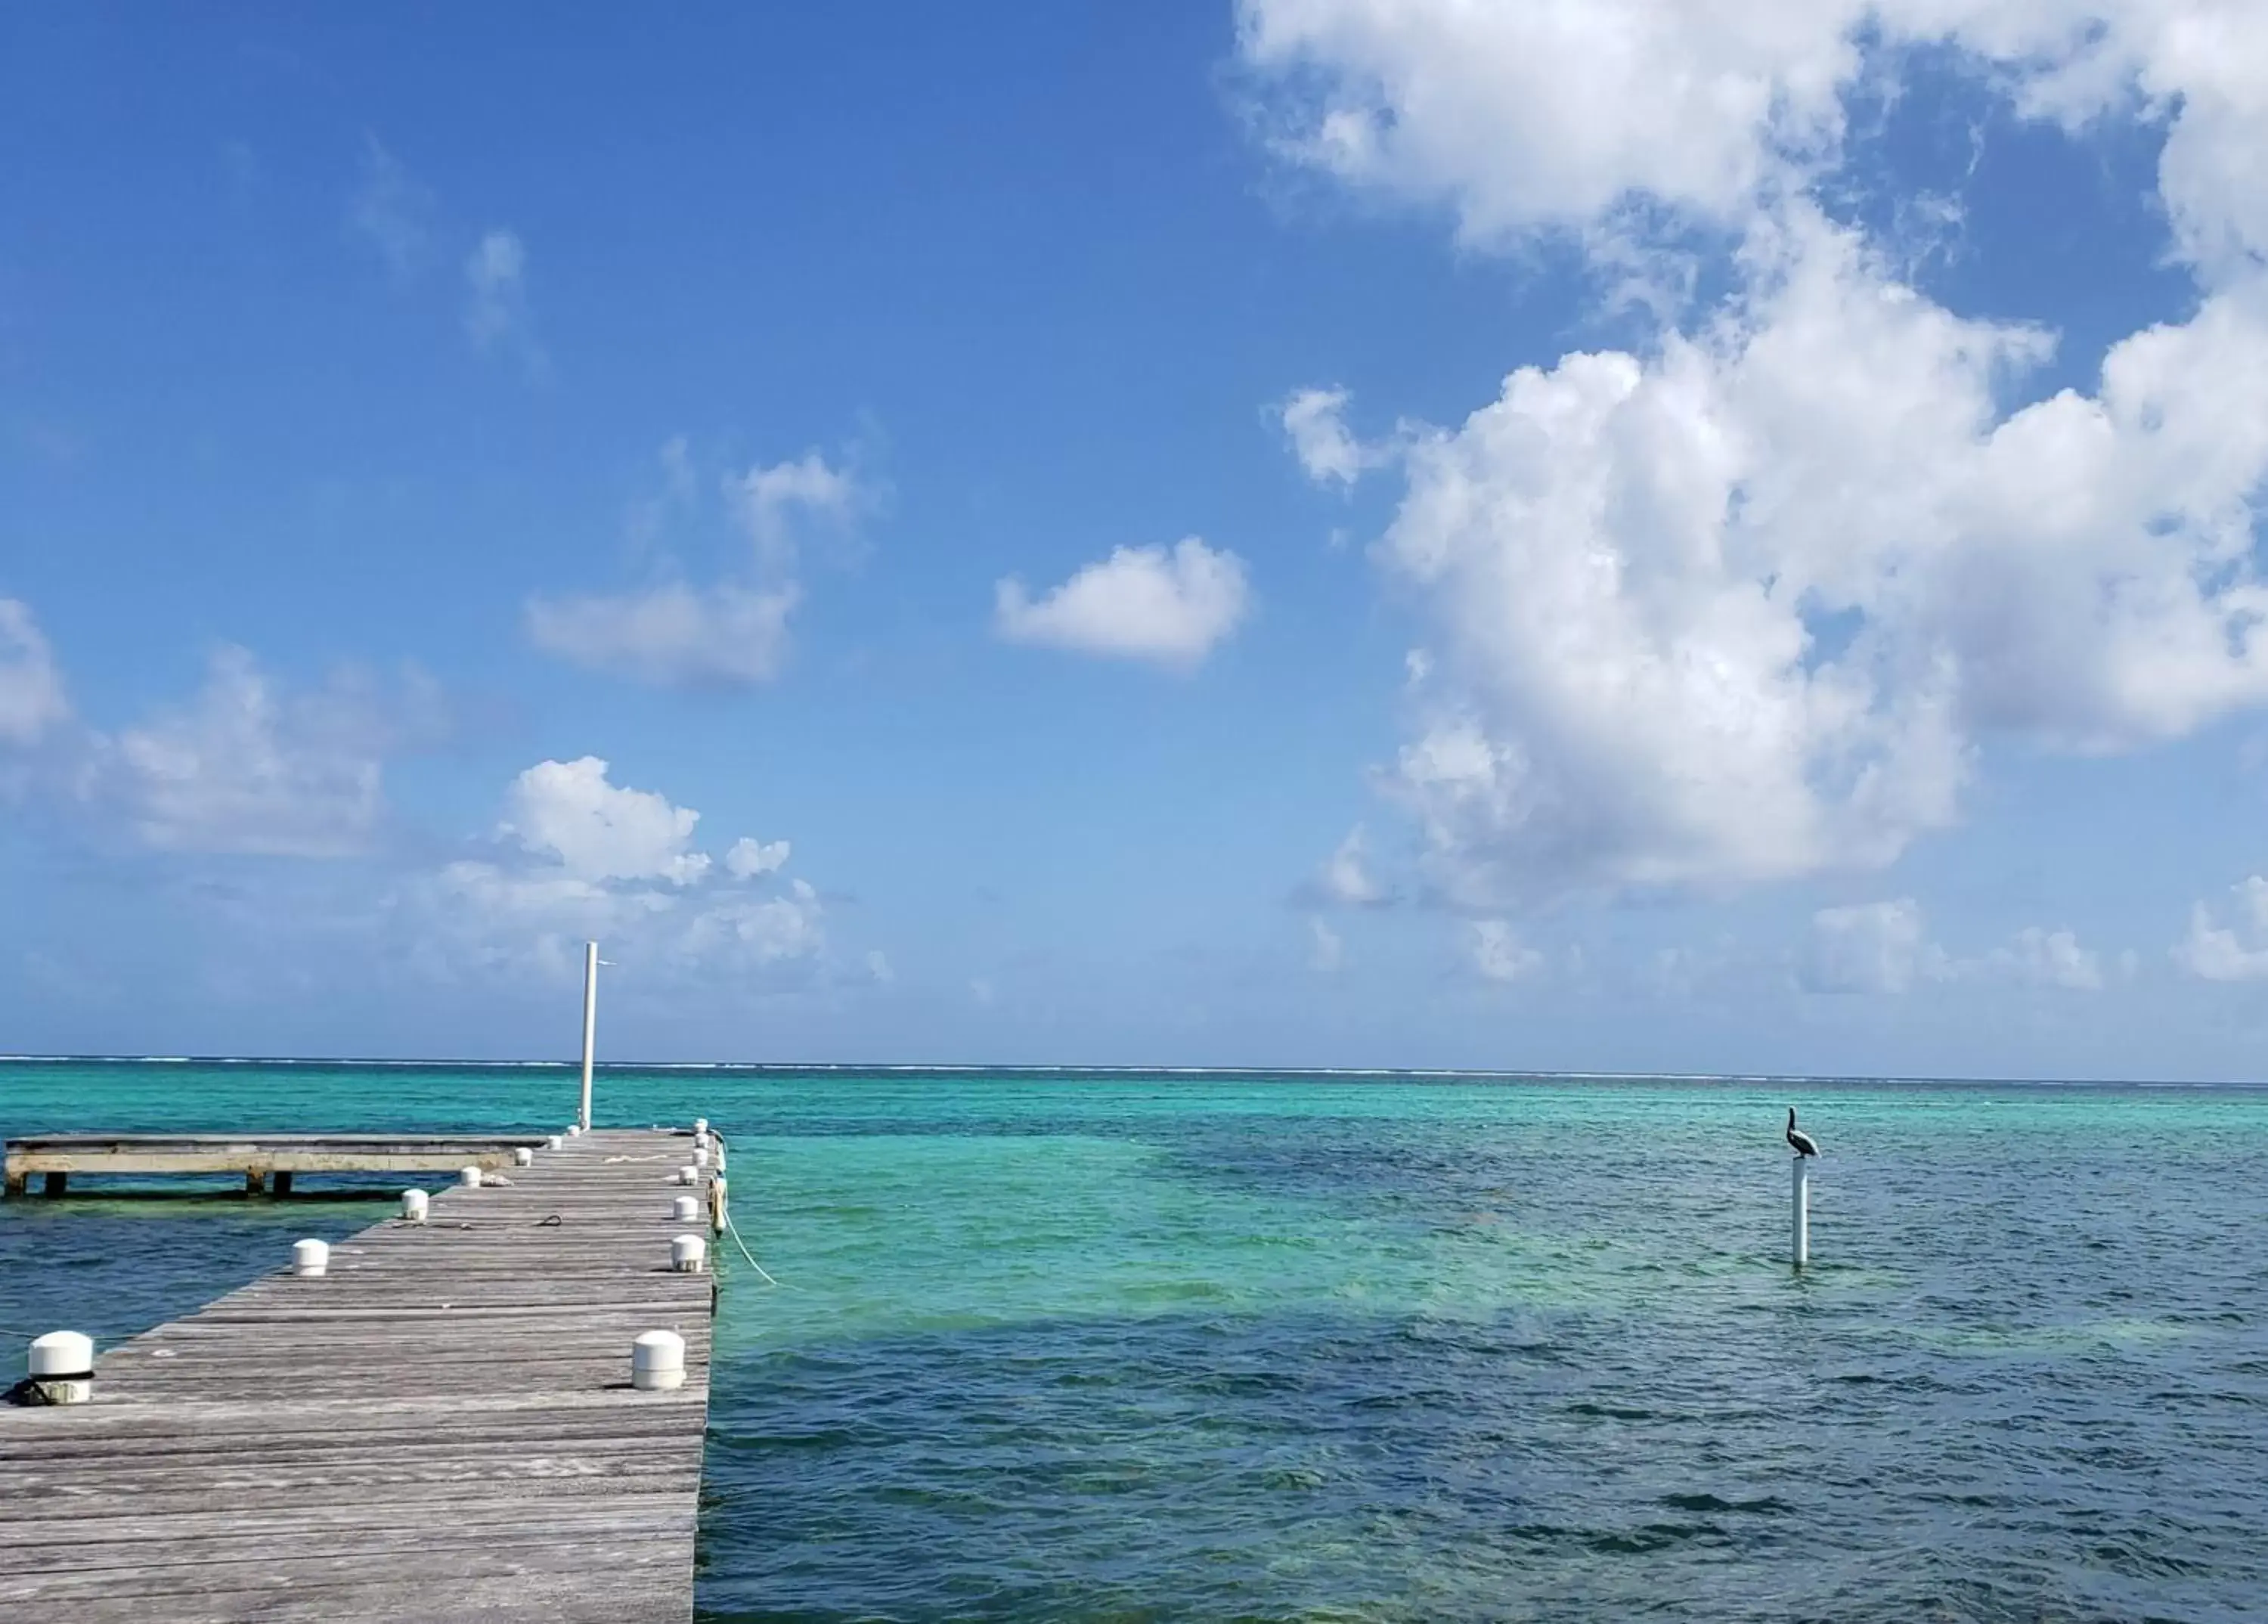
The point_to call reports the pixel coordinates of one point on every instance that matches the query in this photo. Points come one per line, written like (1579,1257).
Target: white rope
(734,1231)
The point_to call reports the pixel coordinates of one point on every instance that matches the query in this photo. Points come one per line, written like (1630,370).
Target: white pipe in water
(62,1363)
(685,1209)
(590,1022)
(1800,1211)
(310,1258)
(413,1207)
(688,1253)
(657,1361)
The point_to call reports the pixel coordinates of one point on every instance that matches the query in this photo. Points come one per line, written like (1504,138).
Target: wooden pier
(55,1157)
(440,1427)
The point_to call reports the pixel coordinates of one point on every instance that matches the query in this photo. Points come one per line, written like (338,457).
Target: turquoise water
(1165,1346)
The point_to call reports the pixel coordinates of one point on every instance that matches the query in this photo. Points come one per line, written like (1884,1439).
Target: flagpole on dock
(590,1024)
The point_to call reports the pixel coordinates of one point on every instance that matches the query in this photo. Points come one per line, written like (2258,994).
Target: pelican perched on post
(1803,1144)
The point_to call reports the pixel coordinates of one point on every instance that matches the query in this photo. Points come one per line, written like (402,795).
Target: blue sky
(1304,533)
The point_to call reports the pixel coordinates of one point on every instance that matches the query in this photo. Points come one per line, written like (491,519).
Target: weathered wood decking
(55,1157)
(442,1427)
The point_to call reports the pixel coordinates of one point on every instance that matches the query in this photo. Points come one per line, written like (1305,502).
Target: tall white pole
(1800,1208)
(590,1024)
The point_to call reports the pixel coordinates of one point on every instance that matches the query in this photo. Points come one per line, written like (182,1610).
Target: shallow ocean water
(1138,1346)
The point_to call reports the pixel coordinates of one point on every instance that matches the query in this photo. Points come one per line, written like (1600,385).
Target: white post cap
(522,1156)
(469,1176)
(688,1253)
(700,1124)
(685,1209)
(688,1175)
(574,1129)
(62,1354)
(555,1142)
(413,1206)
(657,1361)
(701,1155)
(310,1258)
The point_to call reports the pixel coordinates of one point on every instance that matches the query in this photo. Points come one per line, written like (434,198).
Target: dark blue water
(1203,1347)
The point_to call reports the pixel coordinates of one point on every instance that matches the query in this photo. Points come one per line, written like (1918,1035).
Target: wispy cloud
(496,314)
(392,212)
(32,699)
(731,632)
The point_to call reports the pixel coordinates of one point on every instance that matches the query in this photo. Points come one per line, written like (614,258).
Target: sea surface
(1137,1345)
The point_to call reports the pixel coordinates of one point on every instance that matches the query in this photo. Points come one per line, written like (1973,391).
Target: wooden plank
(441,1425)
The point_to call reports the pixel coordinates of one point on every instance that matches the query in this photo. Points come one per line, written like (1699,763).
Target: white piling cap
(522,1156)
(469,1176)
(413,1206)
(688,1175)
(685,1209)
(574,1129)
(701,1155)
(310,1258)
(700,1124)
(688,1253)
(657,1361)
(62,1353)
(555,1142)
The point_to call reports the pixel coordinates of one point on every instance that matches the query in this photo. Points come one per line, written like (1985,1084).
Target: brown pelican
(1803,1144)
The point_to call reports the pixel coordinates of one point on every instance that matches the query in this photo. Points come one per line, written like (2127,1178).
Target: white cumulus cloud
(1346,877)
(1169,607)
(750,857)
(2050,958)
(1314,421)
(2237,951)
(1742,603)
(1528,118)
(581,858)
(598,830)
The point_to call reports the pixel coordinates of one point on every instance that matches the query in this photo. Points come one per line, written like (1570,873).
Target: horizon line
(934,1067)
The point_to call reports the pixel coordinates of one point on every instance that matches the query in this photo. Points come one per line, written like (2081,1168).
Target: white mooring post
(685,1209)
(1800,1211)
(310,1258)
(413,1207)
(688,1254)
(657,1360)
(589,1025)
(62,1365)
